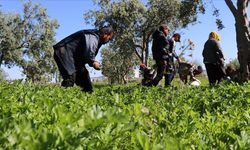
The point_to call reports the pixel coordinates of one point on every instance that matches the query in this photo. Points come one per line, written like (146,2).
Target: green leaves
(26,41)
(36,116)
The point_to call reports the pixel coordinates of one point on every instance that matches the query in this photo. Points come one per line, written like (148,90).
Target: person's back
(184,68)
(209,51)
(213,59)
(158,45)
(80,48)
(79,45)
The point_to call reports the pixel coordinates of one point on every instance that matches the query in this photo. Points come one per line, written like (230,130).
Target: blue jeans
(169,78)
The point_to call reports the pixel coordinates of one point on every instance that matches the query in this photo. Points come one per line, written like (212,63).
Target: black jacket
(212,52)
(159,46)
(78,49)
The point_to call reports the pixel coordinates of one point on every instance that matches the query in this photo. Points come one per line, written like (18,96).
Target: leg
(83,80)
(160,71)
(168,79)
(211,69)
(68,80)
(183,78)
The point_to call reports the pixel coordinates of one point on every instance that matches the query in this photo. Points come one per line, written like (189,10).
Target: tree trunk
(143,53)
(243,53)
(1,58)
(242,35)
(146,53)
(125,79)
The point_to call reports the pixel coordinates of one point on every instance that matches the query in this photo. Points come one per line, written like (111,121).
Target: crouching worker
(187,69)
(233,74)
(75,51)
(148,75)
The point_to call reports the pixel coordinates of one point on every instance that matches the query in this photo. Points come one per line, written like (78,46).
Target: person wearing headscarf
(213,59)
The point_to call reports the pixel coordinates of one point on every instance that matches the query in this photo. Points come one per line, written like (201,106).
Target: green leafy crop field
(43,116)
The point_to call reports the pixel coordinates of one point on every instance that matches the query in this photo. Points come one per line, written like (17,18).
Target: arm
(176,56)
(219,50)
(219,53)
(92,49)
(191,73)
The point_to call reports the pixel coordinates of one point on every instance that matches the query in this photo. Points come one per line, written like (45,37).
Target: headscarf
(214,35)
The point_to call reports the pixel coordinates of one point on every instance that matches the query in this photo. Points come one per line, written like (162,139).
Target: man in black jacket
(80,48)
(163,53)
(159,51)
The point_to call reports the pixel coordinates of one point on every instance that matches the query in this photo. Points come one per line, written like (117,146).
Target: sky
(69,14)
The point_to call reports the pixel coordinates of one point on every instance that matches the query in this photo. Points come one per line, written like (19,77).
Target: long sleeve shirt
(78,49)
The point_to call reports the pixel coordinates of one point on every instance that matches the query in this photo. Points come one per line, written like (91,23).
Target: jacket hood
(156,34)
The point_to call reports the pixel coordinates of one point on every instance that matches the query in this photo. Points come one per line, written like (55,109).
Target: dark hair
(200,68)
(106,30)
(177,35)
(163,27)
(229,69)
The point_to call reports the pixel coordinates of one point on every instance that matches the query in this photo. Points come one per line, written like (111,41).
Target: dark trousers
(162,67)
(215,73)
(169,78)
(80,77)
(184,78)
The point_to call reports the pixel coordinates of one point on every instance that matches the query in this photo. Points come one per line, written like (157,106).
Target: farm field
(46,116)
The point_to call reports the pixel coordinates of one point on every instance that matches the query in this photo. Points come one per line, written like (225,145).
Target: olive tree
(242,28)
(26,41)
(239,10)
(118,64)
(134,21)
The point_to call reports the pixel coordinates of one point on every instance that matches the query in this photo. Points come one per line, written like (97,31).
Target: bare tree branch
(231,7)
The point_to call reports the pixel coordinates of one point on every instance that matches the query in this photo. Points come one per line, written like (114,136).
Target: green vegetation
(42,116)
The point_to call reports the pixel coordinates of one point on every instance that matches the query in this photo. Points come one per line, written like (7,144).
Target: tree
(10,39)
(26,41)
(242,35)
(134,21)
(39,38)
(118,65)
(239,11)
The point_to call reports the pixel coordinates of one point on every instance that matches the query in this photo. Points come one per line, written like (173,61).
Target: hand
(193,79)
(97,65)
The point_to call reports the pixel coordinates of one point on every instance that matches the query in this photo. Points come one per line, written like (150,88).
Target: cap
(178,37)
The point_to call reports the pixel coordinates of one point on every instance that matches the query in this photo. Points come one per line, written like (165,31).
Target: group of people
(78,49)
(163,51)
